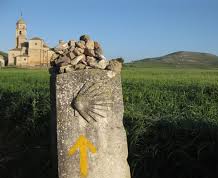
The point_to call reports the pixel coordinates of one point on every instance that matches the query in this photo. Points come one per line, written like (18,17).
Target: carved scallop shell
(92,101)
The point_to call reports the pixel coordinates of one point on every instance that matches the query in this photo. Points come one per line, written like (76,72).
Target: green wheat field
(171,120)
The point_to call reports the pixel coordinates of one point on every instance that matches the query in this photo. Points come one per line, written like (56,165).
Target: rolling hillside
(179,59)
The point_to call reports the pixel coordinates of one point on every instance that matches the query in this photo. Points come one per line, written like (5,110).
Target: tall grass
(171,119)
(24,123)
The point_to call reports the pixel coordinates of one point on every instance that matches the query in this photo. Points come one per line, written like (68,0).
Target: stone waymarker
(87,106)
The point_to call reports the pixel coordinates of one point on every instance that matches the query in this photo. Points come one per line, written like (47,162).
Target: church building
(32,53)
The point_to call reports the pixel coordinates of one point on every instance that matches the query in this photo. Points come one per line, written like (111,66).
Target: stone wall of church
(39,57)
(35,56)
(21,61)
(12,56)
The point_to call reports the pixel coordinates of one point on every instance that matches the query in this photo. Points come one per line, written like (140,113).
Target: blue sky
(132,29)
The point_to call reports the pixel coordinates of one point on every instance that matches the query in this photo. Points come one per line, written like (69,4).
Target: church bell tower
(21,32)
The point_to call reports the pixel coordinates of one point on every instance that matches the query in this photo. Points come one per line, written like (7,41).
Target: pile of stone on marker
(82,54)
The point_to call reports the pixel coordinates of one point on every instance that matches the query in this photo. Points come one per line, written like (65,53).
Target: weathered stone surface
(85,38)
(63,64)
(97,64)
(62,59)
(102,64)
(71,55)
(77,59)
(90,60)
(66,51)
(61,69)
(78,51)
(69,68)
(72,43)
(96,45)
(93,64)
(89,103)
(80,66)
(101,57)
(81,50)
(65,68)
(54,56)
(115,66)
(92,51)
(59,51)
(90,44)
(89,52)
(88,67)
(98,52)
(62,46)
(80,44)
(84,61)
(72,48)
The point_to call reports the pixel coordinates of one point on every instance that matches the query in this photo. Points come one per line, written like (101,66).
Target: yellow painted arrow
(82,144)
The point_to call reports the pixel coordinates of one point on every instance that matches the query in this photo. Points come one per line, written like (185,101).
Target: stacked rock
(82,54)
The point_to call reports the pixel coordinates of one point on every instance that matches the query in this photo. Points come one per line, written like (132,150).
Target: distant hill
(179,59)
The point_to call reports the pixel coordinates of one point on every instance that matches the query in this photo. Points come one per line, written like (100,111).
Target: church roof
(20,21)
(36,38)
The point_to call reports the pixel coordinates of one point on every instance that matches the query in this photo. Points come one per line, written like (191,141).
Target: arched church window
(20,32)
